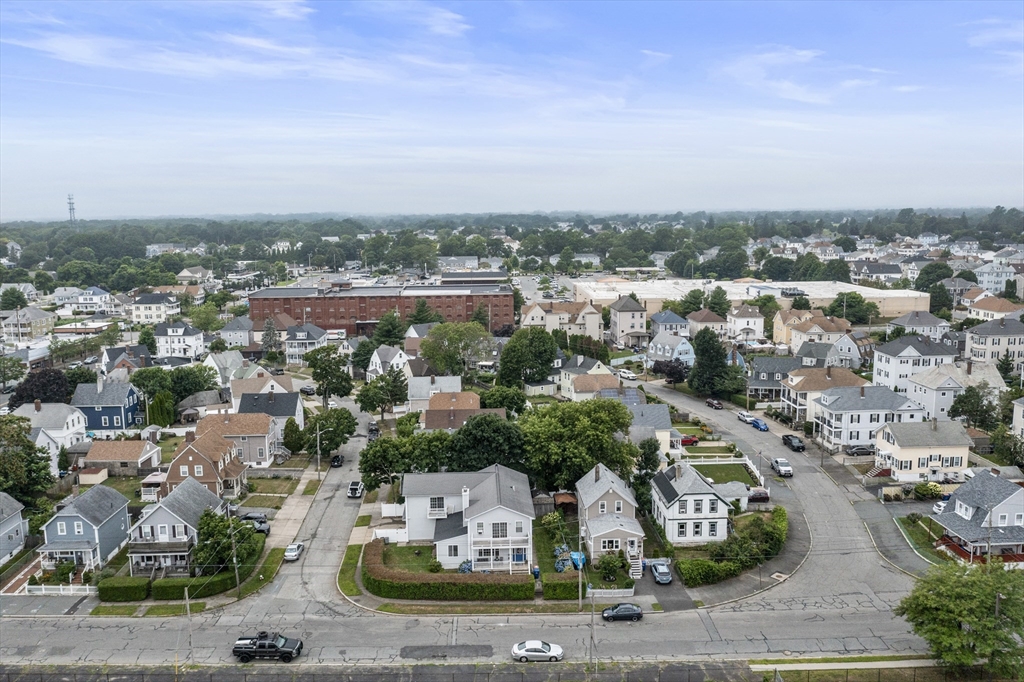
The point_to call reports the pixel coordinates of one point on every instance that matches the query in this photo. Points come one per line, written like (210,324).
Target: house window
(62,529)
(183,471)
(259,453)
(698,506)
(682,506)
(519,527)
(238,451)
(1002,521)
(117,421)
(681,530)
(179,530)
(602,507)
(79,530)
(199,470)
(713,506)
(453,550)
(696,529)
(1018,519)
(713,528)
(147,531)
(480,528)
(105,421)
(610,544)
(618,506)
(499,530)
(436,504)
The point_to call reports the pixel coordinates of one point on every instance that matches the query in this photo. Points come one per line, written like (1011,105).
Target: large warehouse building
(357,310)
(890,302)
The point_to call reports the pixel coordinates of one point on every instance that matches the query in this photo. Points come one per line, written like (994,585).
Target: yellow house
(929,451)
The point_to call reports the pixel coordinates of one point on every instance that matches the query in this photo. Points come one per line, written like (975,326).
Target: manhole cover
(427,653)
(779,576)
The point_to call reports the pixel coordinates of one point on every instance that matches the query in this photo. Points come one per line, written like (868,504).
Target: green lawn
(126,485)
(280,486)
(174,609)
(723,473)
(312,487)
(687,430)
(406,559)
(264,501)
(168,446)
(922,541)
(115,610)
(265,573)
(622,354)
(119,560)
(362,521)
(709,450)
(347,574)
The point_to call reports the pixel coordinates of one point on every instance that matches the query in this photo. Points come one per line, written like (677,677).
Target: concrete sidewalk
(292,513)
(852,665)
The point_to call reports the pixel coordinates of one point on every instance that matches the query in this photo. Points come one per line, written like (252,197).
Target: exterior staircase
(636,566)
(874,471)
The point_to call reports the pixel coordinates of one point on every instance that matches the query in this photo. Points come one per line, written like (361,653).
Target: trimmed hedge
(695,572)
(780,519)
(173,589)
(757,543)
(559,586)
(123,589)
(392,583)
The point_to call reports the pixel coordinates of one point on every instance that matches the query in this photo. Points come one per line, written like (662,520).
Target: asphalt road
(838,602)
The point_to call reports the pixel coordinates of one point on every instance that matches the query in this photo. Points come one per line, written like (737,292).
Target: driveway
(671,597)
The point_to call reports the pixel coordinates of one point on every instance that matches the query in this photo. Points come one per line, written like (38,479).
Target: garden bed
(709,450)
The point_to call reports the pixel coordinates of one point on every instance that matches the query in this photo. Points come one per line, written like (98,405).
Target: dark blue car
(759,424)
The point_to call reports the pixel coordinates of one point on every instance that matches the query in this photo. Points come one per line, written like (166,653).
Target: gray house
(88,532)
(237,332)
(421,388)
(168,531)
(607,511)
(666,321)
(13,528)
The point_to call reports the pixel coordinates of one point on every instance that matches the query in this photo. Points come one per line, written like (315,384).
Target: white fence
(392,510)
(391,534)
(611,594)
(615,362)
(61,590)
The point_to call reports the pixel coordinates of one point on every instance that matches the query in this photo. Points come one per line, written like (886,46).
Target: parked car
(861,450)
(260,526)
(337,461)
(626,374)
(631,612)
(92,359)
(689,440)
(793,443)
(372,436)
(254,516)
(293,551)
(331,405)
(939,507)
(276,371)
(536,650)
(373,427)
(781,466)
(355,489)
(745,417)
(661,573)
(760,424)
(711,402)
(266,645)
(74,365)
(308,390)
(758,495)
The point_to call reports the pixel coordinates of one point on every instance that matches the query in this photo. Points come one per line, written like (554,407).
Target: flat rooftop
(418,291)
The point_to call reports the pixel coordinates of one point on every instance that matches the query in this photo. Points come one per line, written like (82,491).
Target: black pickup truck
(266,645)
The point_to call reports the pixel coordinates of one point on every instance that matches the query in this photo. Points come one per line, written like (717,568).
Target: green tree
(12,298)
(954,608)
(1005,365)
(63,459)
(192,379)
(218,345)
(336,427)
(801,303)
(580,344)
(383,460)
(330,372)
(484,440)
(24,468)
(205,317)
(731,382)
(767,306)
(362,355)
(151,380)
(161,410)
(111,336)
(512,399)
(606,317)
(692,302)
(565,440)
(79,375)
(44,385)
(450,347)
(648,462)
(389,330)
(852,307)
(293,438)
(846,243)
(271,338)
(213,551)
(974,405)
(718,302)
(384,392)
(43,282)
(968,275)
(932,274)
(836,270)
(709,365)
(424,314)
(527,357)
(481,316)
(939,298)
(148,339)
(11,369)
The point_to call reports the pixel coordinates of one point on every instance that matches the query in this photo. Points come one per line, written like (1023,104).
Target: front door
(631,544)
(161,533)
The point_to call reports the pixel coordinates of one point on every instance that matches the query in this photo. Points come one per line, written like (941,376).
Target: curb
(884,558)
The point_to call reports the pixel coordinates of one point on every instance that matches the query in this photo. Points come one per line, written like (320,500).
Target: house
(853,351)
(814,354)
(280,406)
(123,457)
(992,276)
(589,386)
(261,382)
(766,374)
(231,365)
(210,460)
(932,451)
(851,415)
(179,340)
(900,359)
(972,296)
(992,308)
(200,404)
(628,322)
(989,341)
(169,530)
(785,320)
(957,286)
(654,421)
(667,346)
(60,426)
(450,411)
(154,308)
(886,273)
(687,507)
(578,365)
(575,319)
(195,294)
(803,386)
(485,517)
(13,528)
(823,329)
(107,405)
(984,518)
(127,357)
(607,513)
(13,250)
(27,323)
(92,300)
(705,319)
(920,323)
(383,359)
(414,336)
(928,238)
(26,288)
(301,339)
(237,332)
(936,389)
(252,435)
(62,295)
(281,322)
(199,275)
(422,388)
(744,324)
(957,341)
(154,250)
(666,321)
(87,532)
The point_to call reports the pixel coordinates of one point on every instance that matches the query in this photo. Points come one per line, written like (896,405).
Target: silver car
(536,650)
(662,574)
(293,551)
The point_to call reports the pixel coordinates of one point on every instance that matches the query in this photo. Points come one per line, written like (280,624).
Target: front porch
(85,558)
(1012,555)
(511,555)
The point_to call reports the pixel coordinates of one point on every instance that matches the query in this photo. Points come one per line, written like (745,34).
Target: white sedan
(626,374)
(745,417)
(536,650)
(293,551)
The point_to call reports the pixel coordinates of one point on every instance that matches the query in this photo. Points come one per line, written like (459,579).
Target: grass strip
(347,573)
(115,610)
(265,573)
(838,659)
(371,497)
(311,487)
(363,521)
(922,541)
(176,609)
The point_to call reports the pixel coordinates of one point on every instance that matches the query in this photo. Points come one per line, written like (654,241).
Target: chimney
(39,405)
(828,372)
(679,470)
(465,498)
(862,392)
(935,424)
(970,366)
(190,436)
(154,437)
(432,379)
(245,363)
(270,396)
(259,375)
(597,473)
(99,383)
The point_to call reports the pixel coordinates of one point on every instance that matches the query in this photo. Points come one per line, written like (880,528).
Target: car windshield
(544,646)
(280,641)
(783,463)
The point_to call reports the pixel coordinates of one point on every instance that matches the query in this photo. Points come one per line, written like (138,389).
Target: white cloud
(436,20)
(997,32)
(654,58)
(908,88)
(756,71)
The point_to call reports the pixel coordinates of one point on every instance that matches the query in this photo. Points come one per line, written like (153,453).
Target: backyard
(168,447)
(126,485)
(413,558)
(723,473)
(273,486)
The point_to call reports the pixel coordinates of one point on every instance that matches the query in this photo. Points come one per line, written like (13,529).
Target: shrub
(87,578)
(33,580)
(123,589)
(386,581)
(695,572)
(63,572)
(435,566)
(562,586)
(206,586)
(927,491)
(808,428)
(914,518)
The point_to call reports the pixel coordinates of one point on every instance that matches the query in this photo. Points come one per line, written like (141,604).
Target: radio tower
(71,208)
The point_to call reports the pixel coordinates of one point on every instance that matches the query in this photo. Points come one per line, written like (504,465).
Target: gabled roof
(919,318)
(814,349)
(312,331)
(9,506)
(461,400)
(745,311)
(958,372)
(504,487)
(386,354)
(599,481)
(421,387)
(626,304)
(997,305)
(602,524)
(239,324)
(110,394)
(678,480)
(984,492)
(591,383)
(1006,326)
(50,415)
(117,450)
(189,500)
(828,325)
(247,424)
(704,316)
(929,434)
(818,379)
(420,368)
(274,404)
(655,415)
(923,345)
(669,339)
(453,420)
(97,504)
(418,331)
(855,399)
(667,317)
(579,364)
(154,299)
(256,384)
(163,329)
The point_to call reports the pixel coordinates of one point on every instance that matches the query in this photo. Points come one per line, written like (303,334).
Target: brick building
(357,310)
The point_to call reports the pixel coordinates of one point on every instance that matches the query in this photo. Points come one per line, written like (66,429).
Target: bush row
(393,583)
(695,572)
(123,589)
(758,542)
(206,586)
(562,586)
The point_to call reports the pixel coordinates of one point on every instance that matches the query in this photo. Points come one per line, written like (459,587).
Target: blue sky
(205,107)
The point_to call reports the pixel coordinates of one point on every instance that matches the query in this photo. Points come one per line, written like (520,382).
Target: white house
(819,330)
(936,389)
(687,507)
(154,308)
(574,319)
(853,351)
(992,308)
(745,324)
(929,451)
(179,340)
(607,512)
(852,415)
(667,321)
(383,359)
(301,339)
(628,322)
(992,276)
(667,346)
(705,319)
(900,359)
(984,518)
(579,365)
(485,517)
(421,388)
(989,341)
(59,425)
(1018,417)
(920,323)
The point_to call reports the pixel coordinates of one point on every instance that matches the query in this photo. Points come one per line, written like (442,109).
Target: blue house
(108,406)
(87,532)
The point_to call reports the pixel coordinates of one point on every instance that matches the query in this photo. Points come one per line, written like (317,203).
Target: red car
(689,440)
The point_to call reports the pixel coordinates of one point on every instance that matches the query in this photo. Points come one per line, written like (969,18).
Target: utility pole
(318,449)
(234,556)
(188,612)
(591,627)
